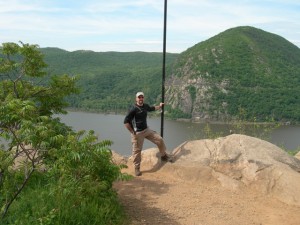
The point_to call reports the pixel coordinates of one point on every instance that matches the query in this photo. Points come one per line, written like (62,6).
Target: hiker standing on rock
(136,122)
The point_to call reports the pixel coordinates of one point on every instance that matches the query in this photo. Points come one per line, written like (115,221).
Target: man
(136,122)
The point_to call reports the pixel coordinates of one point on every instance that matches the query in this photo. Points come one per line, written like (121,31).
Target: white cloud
(132,24)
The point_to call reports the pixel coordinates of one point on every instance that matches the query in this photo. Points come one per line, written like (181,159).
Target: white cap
(139,94)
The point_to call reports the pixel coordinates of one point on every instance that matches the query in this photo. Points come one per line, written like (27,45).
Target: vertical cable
(163,70)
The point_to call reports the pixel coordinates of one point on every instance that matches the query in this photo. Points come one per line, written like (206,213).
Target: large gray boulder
(150,160)
(236,161)
(297,155)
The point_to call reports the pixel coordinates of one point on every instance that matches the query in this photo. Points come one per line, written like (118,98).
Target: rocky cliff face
(192,95)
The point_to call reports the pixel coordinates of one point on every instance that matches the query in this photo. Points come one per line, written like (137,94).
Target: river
(111,127)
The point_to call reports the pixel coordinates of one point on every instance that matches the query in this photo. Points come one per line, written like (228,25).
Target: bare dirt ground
(160,198)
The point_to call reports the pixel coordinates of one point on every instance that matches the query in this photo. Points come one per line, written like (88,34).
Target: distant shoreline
(192,120)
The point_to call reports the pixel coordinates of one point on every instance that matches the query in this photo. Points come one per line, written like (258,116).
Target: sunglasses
(141,96)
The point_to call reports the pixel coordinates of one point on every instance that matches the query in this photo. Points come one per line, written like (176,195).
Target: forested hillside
(243,70)
(109,80)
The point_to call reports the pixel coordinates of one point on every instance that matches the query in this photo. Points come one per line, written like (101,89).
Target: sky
(137,25)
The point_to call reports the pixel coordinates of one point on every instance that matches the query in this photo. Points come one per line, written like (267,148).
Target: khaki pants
(138,141)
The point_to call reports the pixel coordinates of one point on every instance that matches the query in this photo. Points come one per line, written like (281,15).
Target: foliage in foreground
(49,174)
(73,186)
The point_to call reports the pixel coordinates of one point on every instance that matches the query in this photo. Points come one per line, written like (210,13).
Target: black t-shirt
(137,116)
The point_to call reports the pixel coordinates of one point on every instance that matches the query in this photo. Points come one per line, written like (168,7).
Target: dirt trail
(159,198)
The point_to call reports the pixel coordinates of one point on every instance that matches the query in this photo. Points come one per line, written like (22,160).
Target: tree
(36,141)
(28,100)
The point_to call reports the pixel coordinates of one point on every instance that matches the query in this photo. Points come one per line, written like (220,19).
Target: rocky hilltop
(240,68)
(240,179)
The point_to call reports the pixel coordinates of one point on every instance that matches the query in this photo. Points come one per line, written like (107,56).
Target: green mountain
(109,80)
(241,72)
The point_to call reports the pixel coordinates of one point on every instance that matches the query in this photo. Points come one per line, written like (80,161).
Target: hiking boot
(137,172)
(166,158)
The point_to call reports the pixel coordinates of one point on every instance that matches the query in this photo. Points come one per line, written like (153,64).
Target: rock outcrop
(235,161)
(297,155)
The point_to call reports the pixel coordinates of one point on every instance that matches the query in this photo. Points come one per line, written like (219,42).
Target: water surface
(111,127)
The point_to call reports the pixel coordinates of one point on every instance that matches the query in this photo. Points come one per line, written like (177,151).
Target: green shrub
(62,176)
